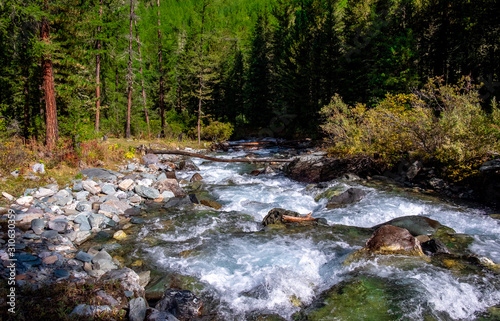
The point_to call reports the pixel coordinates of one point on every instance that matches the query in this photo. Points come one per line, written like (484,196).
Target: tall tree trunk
(142,77)
(51,130)
(98,73)
(162,103)
(129,104)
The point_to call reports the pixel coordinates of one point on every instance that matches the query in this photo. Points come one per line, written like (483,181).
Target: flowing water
(249,271)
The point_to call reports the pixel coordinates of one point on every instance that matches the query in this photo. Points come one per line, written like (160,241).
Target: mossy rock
(364,298)
(160,282)
(330,192)
(416,225)
(466,264)
(456,243)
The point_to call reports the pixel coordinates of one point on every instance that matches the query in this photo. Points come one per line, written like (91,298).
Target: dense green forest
(266,67)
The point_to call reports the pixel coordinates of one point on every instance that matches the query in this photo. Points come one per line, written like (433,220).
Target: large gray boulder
(352,195)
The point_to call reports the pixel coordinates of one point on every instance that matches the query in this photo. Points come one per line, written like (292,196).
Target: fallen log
(308,217)
(233,160)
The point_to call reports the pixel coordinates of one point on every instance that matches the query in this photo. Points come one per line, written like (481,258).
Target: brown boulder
(390,239)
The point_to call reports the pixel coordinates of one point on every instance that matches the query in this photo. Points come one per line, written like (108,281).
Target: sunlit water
(251,271)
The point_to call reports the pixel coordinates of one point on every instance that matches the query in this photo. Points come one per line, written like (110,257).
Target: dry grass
(56,301)
(65,162)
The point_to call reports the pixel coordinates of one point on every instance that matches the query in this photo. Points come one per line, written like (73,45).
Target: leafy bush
(443,122)
(217,131)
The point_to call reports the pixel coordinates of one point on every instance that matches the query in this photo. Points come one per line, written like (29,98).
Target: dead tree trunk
(233,160)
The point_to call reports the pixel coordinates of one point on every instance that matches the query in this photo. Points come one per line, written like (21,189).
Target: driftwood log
(234,160)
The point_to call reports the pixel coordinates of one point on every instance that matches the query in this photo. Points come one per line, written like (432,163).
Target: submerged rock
(352,195)
(182,304)
(363,298)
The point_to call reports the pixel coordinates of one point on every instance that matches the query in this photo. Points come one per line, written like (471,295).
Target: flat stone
(59,225)
(50,259)
(81,237)
(102,256)
(43,192)
(84,257)
(137,220)
(108,189)
(25,200)
(52,234)
(126,184)
(135,199)
(82,196)
(61,273)
(8,196)
(147,192)
(86,310)
(78,186)
(91,187)
(212,204)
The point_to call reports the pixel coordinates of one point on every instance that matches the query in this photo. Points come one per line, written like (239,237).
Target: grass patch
(56,301)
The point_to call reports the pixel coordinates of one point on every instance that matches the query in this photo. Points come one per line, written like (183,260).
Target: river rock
(84,257)
(413,170)
(83,220)
(390,239)
(8,196)
(43,192)
(212,204)
(38,225)
(25,200)
(126,184)
(147,192)
(108,189)
(434,246)
(188,165)
(120,235)
(182,304)
(101,173)
(490,166)
(350,196)
(149,159)
(171,185)
(91,187)
(85,310)
(128,279)
(196,177)
(137,309)
(59,225)
(416,225)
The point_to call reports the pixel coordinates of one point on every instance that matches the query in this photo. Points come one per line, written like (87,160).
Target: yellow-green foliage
(217,131)
(445,122)
(13,155)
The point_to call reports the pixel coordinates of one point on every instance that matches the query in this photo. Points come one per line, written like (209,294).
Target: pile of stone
(51,222)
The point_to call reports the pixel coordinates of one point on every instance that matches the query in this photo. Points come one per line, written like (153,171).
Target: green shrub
(443,122)
(217,131)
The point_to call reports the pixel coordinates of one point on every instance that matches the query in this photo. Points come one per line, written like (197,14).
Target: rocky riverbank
(45,230)
(484,187)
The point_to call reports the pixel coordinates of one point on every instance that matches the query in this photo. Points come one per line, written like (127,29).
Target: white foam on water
(460,299)
(269,272)
(257,273)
